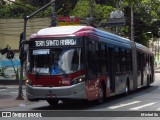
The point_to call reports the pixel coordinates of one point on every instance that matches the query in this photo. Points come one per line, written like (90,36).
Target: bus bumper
(76,91)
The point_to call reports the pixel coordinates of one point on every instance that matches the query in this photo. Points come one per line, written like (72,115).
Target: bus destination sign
(49,43)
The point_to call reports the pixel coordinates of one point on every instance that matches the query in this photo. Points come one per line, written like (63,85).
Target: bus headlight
(29,82)
(78,80)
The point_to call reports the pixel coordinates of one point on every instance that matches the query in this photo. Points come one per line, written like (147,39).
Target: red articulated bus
(82,62)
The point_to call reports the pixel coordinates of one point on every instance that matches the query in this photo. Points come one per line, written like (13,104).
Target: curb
(11,86)
(3,87)
(9,82)
(157,71)
(4,84)
(12,102)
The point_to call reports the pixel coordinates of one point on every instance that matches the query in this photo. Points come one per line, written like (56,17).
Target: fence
(10,30)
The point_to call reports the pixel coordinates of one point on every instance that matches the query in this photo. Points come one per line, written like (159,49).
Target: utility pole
(91,19)
(155,49)
(117,7)
(22,44)
(152,43)
(158,43)
(132,24)
(53,16)
(21,48)
(134,53)
(158,49)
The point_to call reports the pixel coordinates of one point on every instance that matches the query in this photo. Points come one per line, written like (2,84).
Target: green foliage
(2,2)
(81,10)
(144,13)
(15,10)
(100,12)
(36,3)
(22,8)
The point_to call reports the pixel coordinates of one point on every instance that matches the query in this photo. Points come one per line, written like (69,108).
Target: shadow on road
(5,96)
(85,105)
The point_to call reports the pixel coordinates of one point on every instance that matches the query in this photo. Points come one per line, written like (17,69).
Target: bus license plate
(51,96)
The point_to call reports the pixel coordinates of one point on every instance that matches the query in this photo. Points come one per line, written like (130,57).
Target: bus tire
(52,101)
(101,96)
(126,89)
(148,81)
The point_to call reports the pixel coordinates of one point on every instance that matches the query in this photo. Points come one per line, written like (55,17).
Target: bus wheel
(52,101)
(101,95)
(148,81)
(126,89)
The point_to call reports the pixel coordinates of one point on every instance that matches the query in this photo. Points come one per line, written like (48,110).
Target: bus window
(128,60)
(118,60)
(92,60)
(39,61)
(69,61)
(123,60)
(56,61)
(103,58)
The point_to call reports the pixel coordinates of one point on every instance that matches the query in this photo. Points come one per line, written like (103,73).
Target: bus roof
(82,30)
(60,30)
(74,30)
(64,31)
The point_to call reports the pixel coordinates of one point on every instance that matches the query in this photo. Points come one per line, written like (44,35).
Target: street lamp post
(158,43)
(23,42)
(53,16)
(91,19)
(134,54)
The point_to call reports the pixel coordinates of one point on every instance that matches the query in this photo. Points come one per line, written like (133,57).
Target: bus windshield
(56,61)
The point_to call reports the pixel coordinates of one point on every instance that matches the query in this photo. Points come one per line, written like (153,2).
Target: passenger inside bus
(69,61)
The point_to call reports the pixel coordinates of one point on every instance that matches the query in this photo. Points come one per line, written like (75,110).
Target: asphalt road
(142,100)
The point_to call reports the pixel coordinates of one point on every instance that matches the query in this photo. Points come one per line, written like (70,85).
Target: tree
(62,6)
(155,28)
(21,8)
(2,2)
(16,9)
(144,12)
(35,3)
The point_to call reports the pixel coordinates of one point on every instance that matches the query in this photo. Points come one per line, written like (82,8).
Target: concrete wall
(10,30)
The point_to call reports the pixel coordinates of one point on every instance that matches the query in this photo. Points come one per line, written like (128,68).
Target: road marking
(122,105)
(158,109)
(24,91)
(2,89)
(142,106)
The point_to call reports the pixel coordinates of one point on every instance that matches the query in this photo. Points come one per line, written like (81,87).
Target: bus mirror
(10,55)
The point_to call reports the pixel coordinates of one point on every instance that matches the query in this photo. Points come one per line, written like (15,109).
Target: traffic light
(20,40)
(4,51)
(22,54)
(101,1)
(10,54)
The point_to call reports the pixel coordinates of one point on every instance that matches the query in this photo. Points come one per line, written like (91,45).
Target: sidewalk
(157,70)
(8,100)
